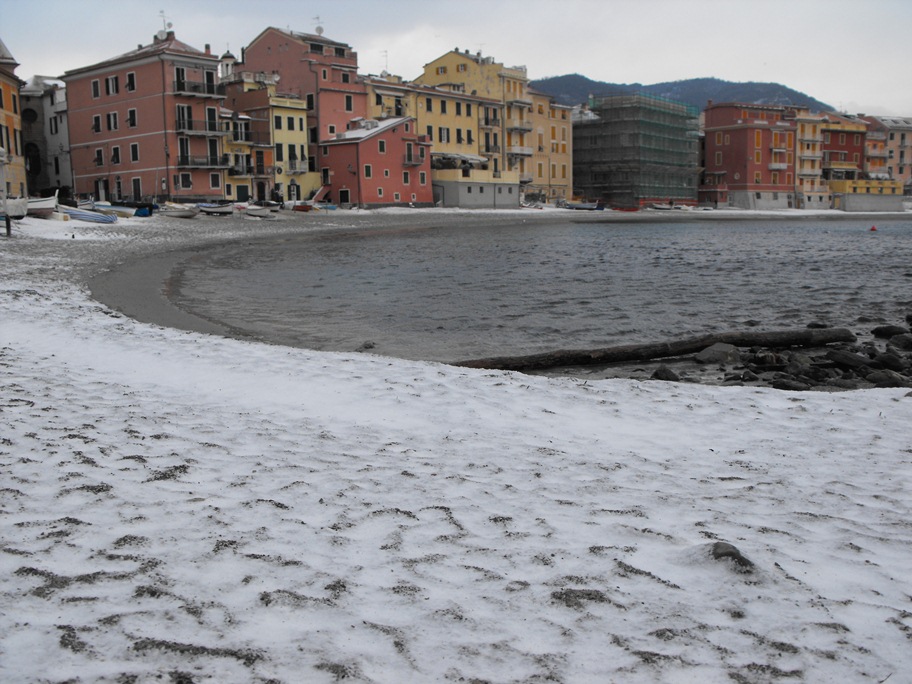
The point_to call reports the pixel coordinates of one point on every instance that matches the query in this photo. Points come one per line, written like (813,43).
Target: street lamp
(3,162)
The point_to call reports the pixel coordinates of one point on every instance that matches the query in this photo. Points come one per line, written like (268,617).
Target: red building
(378,163)
(749,159)
(146,125)
(323,72)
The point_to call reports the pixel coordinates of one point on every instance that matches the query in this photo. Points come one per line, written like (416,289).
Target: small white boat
(42,207)
(87,215)
(117,210)
(216,209)
(186,211)
(15,208)
(258,212)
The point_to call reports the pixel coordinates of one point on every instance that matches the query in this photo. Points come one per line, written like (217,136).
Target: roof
(159,46)
(367,129)
(8,63)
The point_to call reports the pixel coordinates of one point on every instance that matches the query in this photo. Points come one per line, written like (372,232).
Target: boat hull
(87,215)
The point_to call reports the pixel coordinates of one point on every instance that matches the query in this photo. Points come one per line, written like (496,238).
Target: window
(428,104)
(279,153)
(858,138)
(444,134)
(131,118)
(96,123)
(406,179)
(131,82)
(758,177)
(719,138)
(99,157)
(468,109)
(134,152)
(459,109)
(115,154)
(441,70)
(332,129)
(758,157)
(443,106)
(718,158)
(459,136)
(310,101)
(469,139)
(277,122)
(368,171)
(346,77)
(379,192)
(96,89)
(842,138)
(185,181)
(395,196)
(422,177)
(111,85)
(430,133)
(325,74)
(349,103)
(758,138)
(378,100)
(215,180)
(381,146)
(112,121)
(289,120)
(386,173)
(53,124)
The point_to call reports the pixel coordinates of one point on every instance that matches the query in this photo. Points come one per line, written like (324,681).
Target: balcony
(199,89)
(240,170)
(412,160)
(519,125)
(519,151)
(491,150)
(243,170)
(203,162)
(251,138)
(489,122)
(198,127)
(520,102)
(295,166)
(777,166)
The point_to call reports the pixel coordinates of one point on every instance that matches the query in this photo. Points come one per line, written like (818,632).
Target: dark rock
(893,362)
(887,331)
(888,378)
(847,359)
(790,385)
(724,550)
(663,372)
(719,353)
(903,342)
(817,325)
(845,383)
(749,376)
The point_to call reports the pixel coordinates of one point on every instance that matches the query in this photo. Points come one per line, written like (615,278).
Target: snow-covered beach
(180,506)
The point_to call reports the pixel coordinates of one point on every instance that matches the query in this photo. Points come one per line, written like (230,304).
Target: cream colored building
(811,190)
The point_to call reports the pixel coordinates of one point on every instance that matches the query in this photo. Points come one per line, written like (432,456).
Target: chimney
(208,49)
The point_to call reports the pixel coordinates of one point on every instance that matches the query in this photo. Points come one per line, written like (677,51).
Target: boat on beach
(87,215)
(186,211)
(114,209)
(258,211)
(42,207)
(14,208)
(216,209)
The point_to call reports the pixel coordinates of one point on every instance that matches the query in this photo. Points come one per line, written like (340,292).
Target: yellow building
(11,125)
(549,175)
(531,136)
(267,141)
(811,190)
(464,168)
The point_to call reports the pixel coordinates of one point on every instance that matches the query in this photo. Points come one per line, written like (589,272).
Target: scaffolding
(636,150)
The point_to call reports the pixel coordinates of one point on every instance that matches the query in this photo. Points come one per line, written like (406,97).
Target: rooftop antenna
(386,60)
(165,23)
(319,28)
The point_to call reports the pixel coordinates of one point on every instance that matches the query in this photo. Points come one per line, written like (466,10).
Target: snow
(186,506)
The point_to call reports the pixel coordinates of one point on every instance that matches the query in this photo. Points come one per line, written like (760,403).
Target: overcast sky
(854,55)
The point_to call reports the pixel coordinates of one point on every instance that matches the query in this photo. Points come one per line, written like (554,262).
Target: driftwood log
(807,337)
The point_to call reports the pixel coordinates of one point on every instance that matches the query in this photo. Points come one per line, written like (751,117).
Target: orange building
(11,125)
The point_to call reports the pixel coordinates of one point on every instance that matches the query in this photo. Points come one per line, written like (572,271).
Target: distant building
(635,150)
(45,136)
(11,125)
(811,189)
(897,145)
(147,124)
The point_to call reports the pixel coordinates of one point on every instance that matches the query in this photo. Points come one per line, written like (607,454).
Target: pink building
(323,72)
(378,163)
(145,125)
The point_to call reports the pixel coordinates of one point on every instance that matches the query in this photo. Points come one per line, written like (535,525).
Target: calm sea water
(462,292)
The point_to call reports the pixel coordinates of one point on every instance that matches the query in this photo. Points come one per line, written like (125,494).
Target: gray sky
(854,54)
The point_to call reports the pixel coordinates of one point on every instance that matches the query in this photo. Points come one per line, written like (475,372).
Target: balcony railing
(295,166)
(777,166)
(252,137)
(412,160)
(207,161)
(519,151)
(200,126)
(519,125)
(199,88)
(489,122)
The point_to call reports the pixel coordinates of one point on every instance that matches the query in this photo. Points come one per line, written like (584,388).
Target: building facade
(15,183)
(897,131)
(631,151)
(146,125)
(45,137)
(378,163)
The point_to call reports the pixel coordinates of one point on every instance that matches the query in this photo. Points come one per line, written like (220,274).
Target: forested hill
(574,89)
